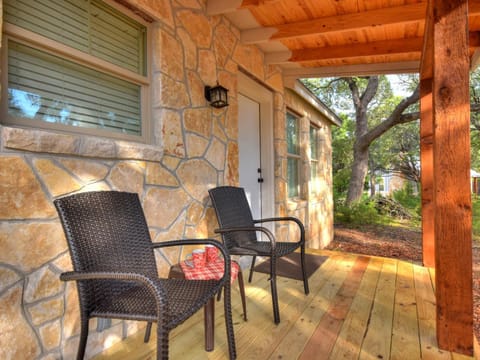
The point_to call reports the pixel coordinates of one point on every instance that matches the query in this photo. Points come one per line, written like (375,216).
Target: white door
(255,146)
(250,152)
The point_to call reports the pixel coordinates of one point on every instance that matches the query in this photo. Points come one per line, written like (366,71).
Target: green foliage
(476,218)
(361,212)
(407,198)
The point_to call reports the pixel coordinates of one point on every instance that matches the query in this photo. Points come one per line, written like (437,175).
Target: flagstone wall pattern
(194,148)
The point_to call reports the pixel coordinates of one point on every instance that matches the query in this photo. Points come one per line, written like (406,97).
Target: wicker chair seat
(264,248)
(183,300)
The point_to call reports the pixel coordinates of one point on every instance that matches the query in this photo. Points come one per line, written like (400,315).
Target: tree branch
(396,117)
(370,91)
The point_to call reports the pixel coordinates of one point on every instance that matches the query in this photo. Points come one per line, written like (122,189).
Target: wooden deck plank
(259,289)
(405,332)
(351,336)
(425,299)
(376,344)
(300,331)
(266,335)
(323,339)
(375,323)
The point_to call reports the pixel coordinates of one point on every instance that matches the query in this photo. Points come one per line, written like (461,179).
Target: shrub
(407,198)
(361,212)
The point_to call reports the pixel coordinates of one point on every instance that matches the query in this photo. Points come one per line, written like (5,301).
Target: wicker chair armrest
(262,229)
(286,218)
(154,289)
(219,245)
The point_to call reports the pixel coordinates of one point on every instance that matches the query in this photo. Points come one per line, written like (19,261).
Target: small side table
(209,309)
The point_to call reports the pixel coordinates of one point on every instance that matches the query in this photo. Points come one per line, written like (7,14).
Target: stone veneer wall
(316,204)
(194,148)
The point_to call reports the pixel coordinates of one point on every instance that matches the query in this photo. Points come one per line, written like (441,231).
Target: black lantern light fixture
(217,96)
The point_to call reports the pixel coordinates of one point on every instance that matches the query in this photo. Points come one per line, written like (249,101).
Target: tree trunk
(364,136)
(373,180)
(359,172)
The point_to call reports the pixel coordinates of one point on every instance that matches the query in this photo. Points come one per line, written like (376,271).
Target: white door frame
(254,90)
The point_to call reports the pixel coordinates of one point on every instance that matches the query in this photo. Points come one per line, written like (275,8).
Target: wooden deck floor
(359,307)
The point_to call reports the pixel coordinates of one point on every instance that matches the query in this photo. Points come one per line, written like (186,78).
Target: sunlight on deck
(359,307)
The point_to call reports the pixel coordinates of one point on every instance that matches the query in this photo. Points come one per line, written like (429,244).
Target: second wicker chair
(239,233)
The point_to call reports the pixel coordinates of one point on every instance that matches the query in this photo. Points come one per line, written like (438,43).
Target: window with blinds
(52,88)
(314,164)
(293,156)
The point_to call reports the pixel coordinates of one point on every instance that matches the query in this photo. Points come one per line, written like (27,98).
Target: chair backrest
(106,231)
(232,209)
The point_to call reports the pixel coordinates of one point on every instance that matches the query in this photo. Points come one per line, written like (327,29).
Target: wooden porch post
(426,161)
(451,171)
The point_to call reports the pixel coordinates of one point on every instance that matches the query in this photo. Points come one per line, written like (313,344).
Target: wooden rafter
(378,48)
(333,24)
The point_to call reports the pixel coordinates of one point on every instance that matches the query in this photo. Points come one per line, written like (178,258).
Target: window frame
(39,42)
(314,160)
(297,156)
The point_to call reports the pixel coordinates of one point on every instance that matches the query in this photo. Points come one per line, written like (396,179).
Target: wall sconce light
(217,96)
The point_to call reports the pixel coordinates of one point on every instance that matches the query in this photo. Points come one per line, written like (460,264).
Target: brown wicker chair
(239,234)
(114,266)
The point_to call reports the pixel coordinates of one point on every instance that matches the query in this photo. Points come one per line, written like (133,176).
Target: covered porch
(359,307)
(364,307)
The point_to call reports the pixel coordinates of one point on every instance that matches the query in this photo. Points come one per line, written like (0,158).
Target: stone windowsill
(41,141)
(296,203)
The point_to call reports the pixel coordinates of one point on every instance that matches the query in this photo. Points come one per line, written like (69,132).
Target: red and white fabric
(211,271)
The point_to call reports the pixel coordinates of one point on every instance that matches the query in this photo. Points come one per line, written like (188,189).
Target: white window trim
(42,43)
(313,188)
(297,157)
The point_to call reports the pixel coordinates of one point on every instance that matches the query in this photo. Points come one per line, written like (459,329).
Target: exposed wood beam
(378,48)
(290,75)
(451,171)
(426,63)
(357,21)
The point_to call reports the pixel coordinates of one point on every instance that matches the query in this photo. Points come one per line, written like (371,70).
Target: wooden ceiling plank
(356,21)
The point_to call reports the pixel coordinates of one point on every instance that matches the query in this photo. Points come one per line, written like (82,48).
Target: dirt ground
(399,243)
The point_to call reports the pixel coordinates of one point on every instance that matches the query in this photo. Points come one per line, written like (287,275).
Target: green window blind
(48,88)
(292,177)
(293,152)
(90,26)
(292,135)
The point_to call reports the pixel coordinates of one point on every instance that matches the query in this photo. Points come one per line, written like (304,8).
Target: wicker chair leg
(251,269)
(241,287)
(162,343)
(304,271)
(83,338)
(273,285)
(276,311)
(232,351)
(148,331)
